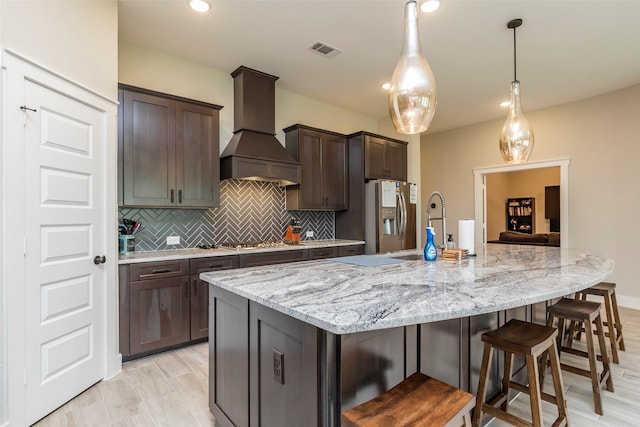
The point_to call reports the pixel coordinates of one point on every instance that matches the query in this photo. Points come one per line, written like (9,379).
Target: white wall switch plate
(309,233)
(173,240)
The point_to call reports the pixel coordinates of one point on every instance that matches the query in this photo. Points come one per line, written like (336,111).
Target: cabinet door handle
(172,198)
(195,287)
(186,288)
(161,270)
(215,266)
(180,196)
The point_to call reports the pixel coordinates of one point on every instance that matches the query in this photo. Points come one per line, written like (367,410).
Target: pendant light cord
(515,78)
(513,24)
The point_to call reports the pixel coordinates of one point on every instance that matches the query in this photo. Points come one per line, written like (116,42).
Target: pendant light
(516,138)
(412,95)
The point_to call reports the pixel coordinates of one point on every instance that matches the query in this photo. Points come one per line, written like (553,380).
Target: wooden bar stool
(607,290)
(529,340)
(418,401)
(585,313)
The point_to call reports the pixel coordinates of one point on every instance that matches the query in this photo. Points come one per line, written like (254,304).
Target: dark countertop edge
(175,254)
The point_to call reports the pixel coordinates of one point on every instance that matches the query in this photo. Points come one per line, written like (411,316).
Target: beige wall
(77,39)
(600,135)
(527,183)
(165,73)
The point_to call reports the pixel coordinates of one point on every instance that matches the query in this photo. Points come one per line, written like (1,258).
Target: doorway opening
(485,208)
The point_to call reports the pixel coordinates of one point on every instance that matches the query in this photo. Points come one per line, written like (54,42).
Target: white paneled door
(64,230)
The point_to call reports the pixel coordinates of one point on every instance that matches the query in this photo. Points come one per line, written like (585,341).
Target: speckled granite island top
(344,298)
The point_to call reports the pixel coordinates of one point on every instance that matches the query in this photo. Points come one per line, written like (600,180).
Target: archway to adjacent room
(480,193)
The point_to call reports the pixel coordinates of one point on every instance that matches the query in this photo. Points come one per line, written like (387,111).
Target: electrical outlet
(173,240)
(278,366)
(309,234)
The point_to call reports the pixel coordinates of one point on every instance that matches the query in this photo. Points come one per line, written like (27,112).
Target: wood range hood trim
(254,152)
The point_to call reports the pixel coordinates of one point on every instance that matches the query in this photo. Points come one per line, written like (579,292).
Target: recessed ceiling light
(386,86)
(200,5)
(504,104)
(430,5)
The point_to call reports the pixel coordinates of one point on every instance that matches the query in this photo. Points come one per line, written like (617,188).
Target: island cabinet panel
(373,362)
(229,358)
(519,364)
(284,369)
(443,351)
(451,351)
(478,325)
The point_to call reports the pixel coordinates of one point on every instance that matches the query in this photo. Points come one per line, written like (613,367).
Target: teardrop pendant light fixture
(412,95)
(516,138)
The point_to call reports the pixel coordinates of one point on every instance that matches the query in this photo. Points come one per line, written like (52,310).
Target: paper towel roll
(466,235)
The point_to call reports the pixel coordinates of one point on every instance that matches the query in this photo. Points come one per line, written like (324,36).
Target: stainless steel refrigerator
(390,216)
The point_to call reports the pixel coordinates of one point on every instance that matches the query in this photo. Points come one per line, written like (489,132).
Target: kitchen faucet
(442,217)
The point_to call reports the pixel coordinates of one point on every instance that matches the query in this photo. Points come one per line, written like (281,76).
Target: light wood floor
(171,389)
(168,389)
(621,408)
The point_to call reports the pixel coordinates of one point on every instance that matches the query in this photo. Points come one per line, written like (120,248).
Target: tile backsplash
(249,211)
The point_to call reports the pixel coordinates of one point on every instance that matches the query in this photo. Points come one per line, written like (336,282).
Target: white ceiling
(567,49)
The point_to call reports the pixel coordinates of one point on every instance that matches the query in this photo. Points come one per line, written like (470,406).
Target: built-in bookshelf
(521,215)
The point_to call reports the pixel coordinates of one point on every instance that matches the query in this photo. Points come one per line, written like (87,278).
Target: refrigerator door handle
(401,217)
(404,217)
(398,215)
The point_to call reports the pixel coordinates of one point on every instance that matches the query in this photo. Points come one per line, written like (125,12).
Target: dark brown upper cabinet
(324,180)
(169,150)
(385,158)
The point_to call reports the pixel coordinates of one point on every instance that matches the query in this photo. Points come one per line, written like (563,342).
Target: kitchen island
(296,344)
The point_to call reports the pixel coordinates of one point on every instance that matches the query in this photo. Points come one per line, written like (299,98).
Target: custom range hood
(254,152)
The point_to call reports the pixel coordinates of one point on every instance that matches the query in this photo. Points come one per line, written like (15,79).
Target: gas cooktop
(245,245)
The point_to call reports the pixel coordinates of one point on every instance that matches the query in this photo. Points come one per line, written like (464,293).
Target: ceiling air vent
(324,49)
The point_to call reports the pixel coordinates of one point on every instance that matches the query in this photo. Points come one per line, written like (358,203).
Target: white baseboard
(629,302)
(113,368)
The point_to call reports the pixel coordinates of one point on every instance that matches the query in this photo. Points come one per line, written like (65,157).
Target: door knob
(100,260)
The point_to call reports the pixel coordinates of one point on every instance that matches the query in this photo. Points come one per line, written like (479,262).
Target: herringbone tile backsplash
(249,211)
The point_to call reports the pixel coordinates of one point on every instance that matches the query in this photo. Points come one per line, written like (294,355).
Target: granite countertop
(344,298)
(174,254)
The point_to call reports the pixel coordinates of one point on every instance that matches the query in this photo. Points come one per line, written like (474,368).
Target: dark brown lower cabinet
(322,253)
(350,250)
(200,291)
(270,258)
(165,304)
(159,313)
(199,308)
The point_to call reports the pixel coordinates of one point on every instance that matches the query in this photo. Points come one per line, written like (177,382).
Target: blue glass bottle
(430,247)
